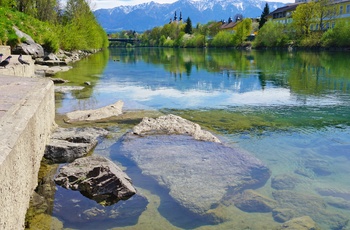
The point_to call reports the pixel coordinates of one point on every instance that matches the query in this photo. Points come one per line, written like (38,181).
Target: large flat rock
(197,174)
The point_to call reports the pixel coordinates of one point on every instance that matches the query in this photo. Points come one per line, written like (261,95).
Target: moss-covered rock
(252,201)
(300,223)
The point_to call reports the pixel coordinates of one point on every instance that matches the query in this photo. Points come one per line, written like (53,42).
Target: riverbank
(27,113)
(27,117)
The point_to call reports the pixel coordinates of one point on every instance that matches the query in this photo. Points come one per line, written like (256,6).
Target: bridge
(127,40)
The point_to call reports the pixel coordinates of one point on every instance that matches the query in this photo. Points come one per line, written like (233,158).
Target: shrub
(271,34)
(338,36)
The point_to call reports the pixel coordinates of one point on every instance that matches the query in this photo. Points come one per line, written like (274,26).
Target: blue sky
(98,4)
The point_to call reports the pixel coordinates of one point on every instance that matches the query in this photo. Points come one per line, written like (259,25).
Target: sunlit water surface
(290,110)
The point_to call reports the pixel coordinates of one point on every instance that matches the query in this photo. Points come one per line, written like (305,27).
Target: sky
(106,4)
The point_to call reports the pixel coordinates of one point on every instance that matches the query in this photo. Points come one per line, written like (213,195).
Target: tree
(244,28)
(325,11)
(303,17)
(47,10)
(265,12)
(188,27)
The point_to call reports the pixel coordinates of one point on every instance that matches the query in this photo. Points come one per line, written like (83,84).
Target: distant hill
(148,15)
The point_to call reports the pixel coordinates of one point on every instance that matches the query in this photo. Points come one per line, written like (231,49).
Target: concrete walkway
(27,112)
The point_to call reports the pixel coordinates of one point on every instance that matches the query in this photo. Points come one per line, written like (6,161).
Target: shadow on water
(79,212)
(169,208)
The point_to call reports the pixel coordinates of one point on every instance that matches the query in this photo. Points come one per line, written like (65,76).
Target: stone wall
(27,112)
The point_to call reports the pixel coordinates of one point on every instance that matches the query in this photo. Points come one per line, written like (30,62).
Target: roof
(228,25)
(289,7)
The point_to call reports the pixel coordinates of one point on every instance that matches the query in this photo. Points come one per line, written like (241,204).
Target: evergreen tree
(188,27)
(265,12)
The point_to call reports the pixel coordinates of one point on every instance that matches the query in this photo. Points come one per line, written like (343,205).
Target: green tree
(188,27)
(325,12)
(303,17)
(265,12)
(47,10)
(214,28)
(244,29)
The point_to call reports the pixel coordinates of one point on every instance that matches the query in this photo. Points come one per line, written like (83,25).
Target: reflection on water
(290,110)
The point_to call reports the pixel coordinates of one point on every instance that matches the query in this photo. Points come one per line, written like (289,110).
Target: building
(284,14)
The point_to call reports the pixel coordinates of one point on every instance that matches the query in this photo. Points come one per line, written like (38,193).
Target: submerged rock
(68,144)
(309,205)
(300,223)
(345,194)
(73,207)
(252,201)
(171,124)
(96,114)
(282,214)
(197,174)
(97,178)
(284,182)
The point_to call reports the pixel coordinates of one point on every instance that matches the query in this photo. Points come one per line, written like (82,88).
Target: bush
(339,36)
(222,39)
(271,34)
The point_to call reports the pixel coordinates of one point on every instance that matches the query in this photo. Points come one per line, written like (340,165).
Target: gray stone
(171,124)
(59,80)
(300,223)
(67,89)
(29,46)
(319,166)
(309,205)
(338,203)
(96,114)
(252,201)
(97,178)
(197,174)
(282,215)
(68,144)
(284,182)
(345,194)
(51,57)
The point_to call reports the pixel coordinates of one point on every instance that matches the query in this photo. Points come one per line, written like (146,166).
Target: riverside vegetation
(72,27)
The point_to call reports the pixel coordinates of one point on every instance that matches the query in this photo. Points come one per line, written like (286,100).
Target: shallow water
(290,110)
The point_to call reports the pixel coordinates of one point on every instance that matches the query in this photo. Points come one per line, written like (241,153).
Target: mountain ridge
(148,15)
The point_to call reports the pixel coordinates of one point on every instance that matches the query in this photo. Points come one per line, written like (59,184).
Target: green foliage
(271,35)
(244,29)
(222,39)
(193,41)
(77,28)
(265,12)
(38,30)
(312,40)
(303,17)
(88,34)
(339,36)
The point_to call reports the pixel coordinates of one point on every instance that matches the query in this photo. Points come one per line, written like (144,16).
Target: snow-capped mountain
(148,15)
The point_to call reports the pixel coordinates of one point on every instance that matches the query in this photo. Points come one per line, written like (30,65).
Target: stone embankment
(27,112)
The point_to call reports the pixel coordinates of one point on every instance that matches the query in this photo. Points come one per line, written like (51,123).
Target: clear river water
(291,110)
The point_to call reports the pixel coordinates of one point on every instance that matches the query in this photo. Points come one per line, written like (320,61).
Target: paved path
(13,91)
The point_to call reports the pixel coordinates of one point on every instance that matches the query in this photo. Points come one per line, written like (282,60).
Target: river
(291,110)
